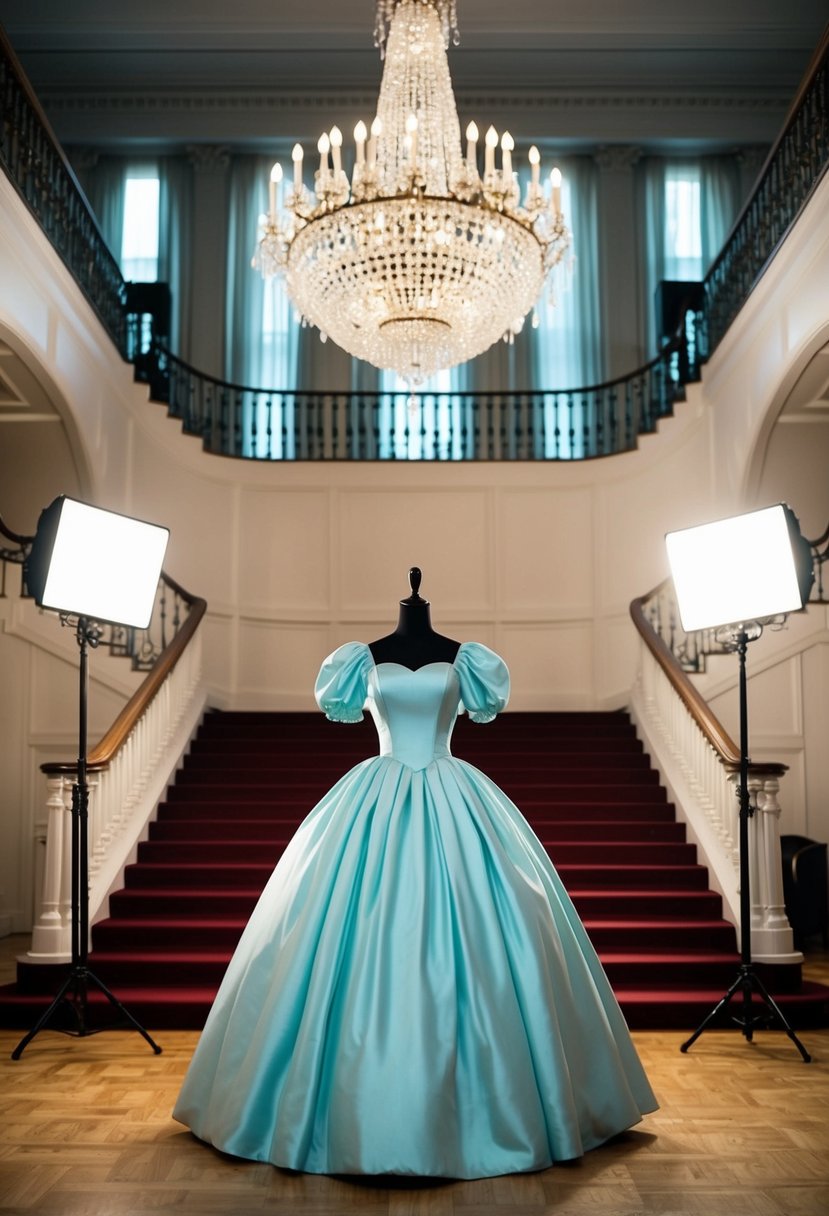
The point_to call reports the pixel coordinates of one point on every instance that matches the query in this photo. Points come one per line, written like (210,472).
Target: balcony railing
(793,169)
(560,424)
(264,424)
(36,166)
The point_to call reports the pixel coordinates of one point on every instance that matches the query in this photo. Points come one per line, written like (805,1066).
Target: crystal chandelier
(420,262)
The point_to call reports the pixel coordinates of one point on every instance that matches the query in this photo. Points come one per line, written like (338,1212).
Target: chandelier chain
(447,11)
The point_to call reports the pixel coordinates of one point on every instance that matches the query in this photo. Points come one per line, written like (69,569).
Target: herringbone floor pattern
(85,1130)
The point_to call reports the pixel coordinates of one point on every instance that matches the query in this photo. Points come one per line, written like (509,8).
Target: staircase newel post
(755,861)
(66,865)
(777,932)
(769,822)
(50,936)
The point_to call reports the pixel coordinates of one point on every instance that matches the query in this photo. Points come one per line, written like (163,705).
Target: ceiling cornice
(253,117)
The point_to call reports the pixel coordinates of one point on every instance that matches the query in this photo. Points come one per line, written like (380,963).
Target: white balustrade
(122,800)
(705,792)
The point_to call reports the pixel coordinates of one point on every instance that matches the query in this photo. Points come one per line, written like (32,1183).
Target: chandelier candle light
(419,262)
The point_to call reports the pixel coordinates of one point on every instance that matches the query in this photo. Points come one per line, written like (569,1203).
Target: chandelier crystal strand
(418,263)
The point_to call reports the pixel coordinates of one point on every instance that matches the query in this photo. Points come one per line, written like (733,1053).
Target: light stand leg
(747,981)
(74,991)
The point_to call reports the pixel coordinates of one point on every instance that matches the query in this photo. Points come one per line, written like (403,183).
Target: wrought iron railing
(820,555)
(14,549)
(560,424)
(793,168)
(35,164)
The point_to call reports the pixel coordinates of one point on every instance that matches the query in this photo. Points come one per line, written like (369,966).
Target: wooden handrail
(697,706)
(103,753)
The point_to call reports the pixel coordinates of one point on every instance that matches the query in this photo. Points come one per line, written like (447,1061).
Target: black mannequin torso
(414,642)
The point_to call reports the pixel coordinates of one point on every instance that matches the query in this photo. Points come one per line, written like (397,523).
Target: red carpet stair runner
(582,780)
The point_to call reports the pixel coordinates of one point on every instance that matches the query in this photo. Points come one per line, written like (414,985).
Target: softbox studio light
(93,567)
(749,567)
(98,564)
(736,575)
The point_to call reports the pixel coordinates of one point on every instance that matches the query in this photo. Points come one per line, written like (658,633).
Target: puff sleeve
(341,685)
(484,681)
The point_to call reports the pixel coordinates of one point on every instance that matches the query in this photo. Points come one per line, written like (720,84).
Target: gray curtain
(651,241)
(175,251)
(719,202)
(103,185)
(719,199)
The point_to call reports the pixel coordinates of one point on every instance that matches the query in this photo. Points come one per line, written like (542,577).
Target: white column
(773,942)
(51,934)
(755,868)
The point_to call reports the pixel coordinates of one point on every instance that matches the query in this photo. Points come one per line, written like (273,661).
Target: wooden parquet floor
(743,1130)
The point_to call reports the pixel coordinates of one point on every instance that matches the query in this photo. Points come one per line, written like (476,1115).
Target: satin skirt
(414,994)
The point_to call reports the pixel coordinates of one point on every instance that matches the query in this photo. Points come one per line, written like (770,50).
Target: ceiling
(207,69)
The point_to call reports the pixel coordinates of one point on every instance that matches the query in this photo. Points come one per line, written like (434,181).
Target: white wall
(539,561)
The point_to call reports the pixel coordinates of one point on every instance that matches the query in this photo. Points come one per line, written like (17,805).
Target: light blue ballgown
(414,992)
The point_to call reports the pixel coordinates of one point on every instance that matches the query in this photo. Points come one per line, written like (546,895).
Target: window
(683,228)
(139,239)
(278,354)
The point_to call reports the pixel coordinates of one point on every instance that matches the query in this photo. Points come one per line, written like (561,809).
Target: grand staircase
(582,780)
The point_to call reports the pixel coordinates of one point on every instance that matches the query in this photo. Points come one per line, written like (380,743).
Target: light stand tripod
(747,981)
(74,991)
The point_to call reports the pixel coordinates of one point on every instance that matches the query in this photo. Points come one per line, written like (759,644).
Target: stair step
(639,935)
(690,969)
(186,1008)
(207,748)
(174,934)
(197,829)
(535,811)
(611,903)
(247,874)
(688,877)
(221,933)
(217,877)
(146,903)
(686,969)
(310,792)
(321,733)
(678,904)
(623,852)
(279,776)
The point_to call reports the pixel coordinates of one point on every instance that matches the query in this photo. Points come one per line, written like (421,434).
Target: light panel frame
(93,563)
(735,570)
